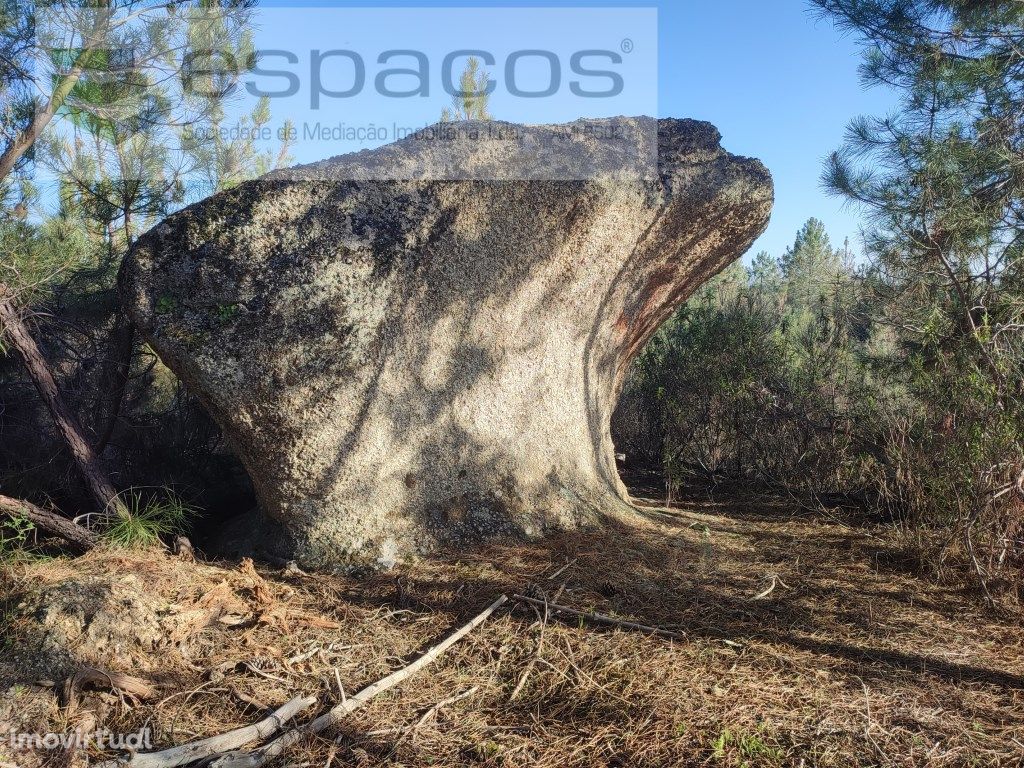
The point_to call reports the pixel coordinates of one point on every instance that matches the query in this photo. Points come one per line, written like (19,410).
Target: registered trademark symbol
(627,45)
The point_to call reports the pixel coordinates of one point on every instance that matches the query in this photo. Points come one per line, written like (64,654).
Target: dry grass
(845,662)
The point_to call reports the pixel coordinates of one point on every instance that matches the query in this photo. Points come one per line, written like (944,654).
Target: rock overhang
(471,333)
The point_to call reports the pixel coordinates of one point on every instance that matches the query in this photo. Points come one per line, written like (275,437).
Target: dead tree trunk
(16,331)
(113,380)
(48,521)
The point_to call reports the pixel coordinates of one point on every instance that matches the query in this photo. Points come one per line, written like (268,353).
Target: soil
(807,641)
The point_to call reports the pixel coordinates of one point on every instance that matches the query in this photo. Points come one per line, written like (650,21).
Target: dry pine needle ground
(802,647)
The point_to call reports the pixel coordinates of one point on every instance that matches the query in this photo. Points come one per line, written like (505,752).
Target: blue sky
(780,84)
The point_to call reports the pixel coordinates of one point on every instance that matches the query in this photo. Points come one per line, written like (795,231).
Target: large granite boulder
(435,358)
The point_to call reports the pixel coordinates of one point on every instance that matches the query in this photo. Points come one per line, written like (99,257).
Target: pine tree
(119,76)
(473,99)
(17,33)
(810,266)
(941,184)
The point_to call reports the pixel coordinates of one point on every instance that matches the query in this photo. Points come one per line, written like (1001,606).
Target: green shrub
(16,533)
(151,519)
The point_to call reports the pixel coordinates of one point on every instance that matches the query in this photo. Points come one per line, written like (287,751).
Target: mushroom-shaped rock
(434,358)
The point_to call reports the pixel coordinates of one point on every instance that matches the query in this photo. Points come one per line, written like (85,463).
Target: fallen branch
(771,588)
(215,745)
(115,681)
(563,569)
(264,755)
(50,522)
(600,618)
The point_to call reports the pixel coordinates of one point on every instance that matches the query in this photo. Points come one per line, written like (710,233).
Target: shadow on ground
(800,647)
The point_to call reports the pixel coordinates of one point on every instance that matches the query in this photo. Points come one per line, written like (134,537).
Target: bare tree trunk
(67,424)
(113,380)
(115,369)
(49,521)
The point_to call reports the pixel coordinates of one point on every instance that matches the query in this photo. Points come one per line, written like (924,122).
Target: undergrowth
(805,643)
(16,536)
(150,519)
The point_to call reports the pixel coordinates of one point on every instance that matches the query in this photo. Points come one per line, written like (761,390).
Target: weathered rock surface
(401,364)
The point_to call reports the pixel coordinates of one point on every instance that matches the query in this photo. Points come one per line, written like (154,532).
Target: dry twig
(275,748)
(200,750)
(600,618)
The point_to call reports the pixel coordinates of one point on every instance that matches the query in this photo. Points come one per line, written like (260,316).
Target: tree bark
(50,522)
(113,380)
(116,368)
(67,424)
